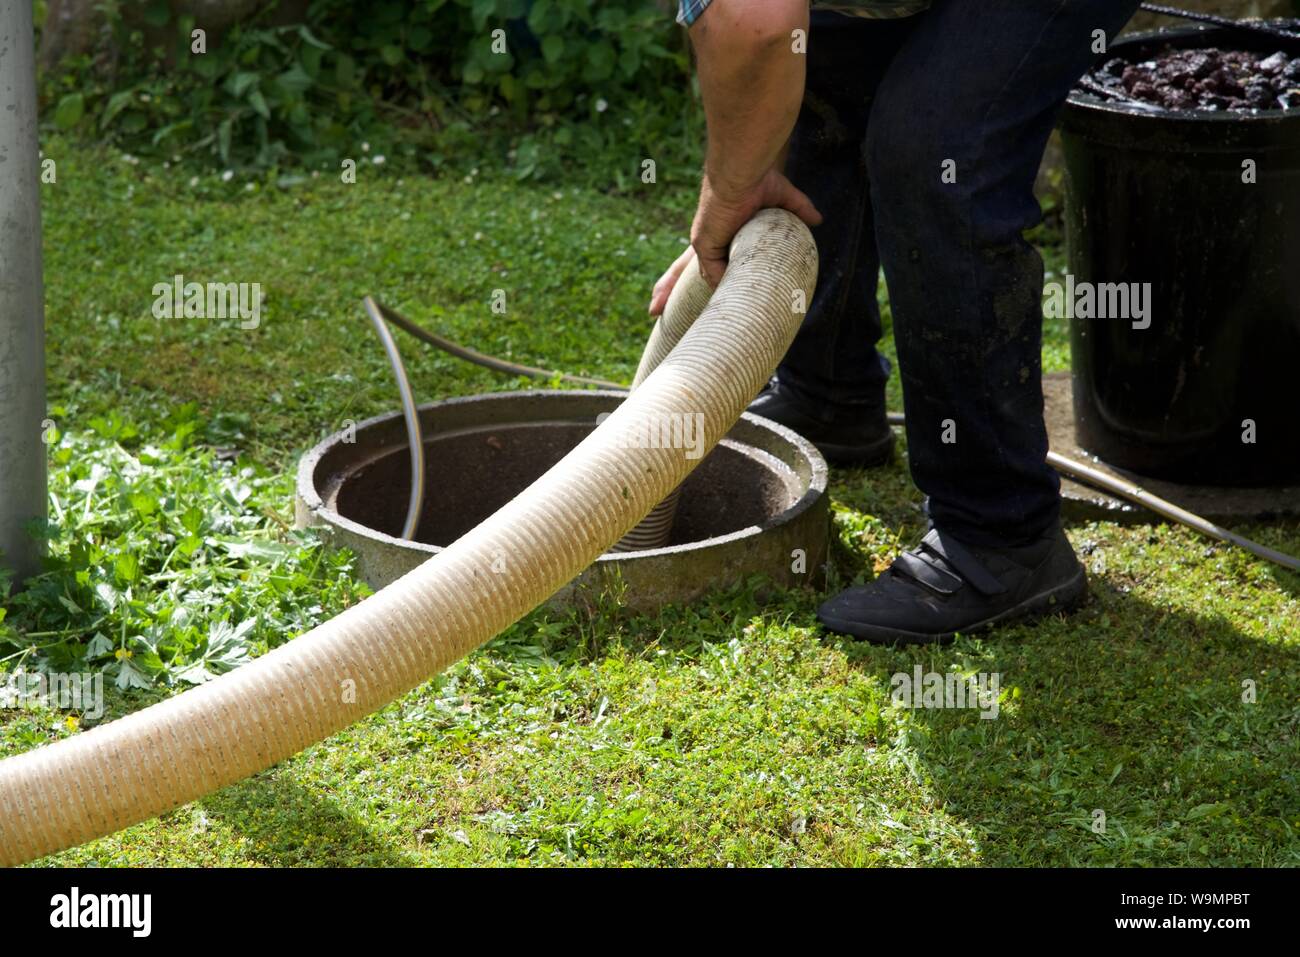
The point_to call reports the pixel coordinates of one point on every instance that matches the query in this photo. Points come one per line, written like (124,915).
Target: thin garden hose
(1072,468)
(482,359)
(1140,496)
(1069,467)
(99,781)
(412,415)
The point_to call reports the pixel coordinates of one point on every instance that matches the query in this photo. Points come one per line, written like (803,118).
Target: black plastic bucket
(1158,197)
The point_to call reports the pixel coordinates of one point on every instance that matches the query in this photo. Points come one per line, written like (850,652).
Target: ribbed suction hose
(174,752)
(685,304)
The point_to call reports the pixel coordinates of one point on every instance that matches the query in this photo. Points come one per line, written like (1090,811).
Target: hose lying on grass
(102,780)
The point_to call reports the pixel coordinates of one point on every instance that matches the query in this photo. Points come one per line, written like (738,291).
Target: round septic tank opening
(755,506)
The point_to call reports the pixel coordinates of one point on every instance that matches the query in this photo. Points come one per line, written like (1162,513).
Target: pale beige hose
(167,755)
(685,303)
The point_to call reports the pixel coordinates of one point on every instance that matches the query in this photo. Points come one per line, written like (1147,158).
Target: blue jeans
(971,88)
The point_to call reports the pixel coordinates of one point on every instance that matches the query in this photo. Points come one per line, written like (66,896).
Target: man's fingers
(662,290)
(712,255)
(664,287)
(712,270)
(717,219)
(797,202)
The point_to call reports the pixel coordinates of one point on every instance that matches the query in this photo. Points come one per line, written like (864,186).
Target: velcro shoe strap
(957,557)
(928,572)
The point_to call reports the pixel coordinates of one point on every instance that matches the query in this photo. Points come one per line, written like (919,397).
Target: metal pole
(22,315)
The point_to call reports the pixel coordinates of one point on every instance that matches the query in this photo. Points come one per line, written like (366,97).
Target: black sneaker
(857,440)
(943,587)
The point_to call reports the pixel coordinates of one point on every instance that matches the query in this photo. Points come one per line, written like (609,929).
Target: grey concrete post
(22,314)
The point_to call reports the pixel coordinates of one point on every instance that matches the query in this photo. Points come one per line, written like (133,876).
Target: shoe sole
(1062,597)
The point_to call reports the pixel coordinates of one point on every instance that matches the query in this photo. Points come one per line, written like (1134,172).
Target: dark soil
(1210,79)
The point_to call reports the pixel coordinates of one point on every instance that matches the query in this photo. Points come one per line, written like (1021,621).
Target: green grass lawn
(730,732)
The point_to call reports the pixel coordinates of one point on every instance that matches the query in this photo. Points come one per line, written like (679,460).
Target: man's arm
(752,84)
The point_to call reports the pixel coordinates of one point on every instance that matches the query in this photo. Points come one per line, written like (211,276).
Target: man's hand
(721,214)
(717,222)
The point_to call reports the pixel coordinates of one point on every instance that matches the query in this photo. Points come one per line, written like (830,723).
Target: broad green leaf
(116,104)
(311,39)
(69,111)
(239,83)
(129,676)
(258,103)
(223,139)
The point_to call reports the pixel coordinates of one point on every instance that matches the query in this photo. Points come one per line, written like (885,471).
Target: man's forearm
(752,79)
(752,83)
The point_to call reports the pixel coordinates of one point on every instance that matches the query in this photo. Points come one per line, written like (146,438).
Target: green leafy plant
(549,80)
(167,565)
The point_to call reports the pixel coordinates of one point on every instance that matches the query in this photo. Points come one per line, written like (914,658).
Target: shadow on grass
(288,825)
(1282,537)
(1128,716)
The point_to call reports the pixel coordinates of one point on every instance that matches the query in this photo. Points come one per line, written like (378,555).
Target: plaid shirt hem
(688,11)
